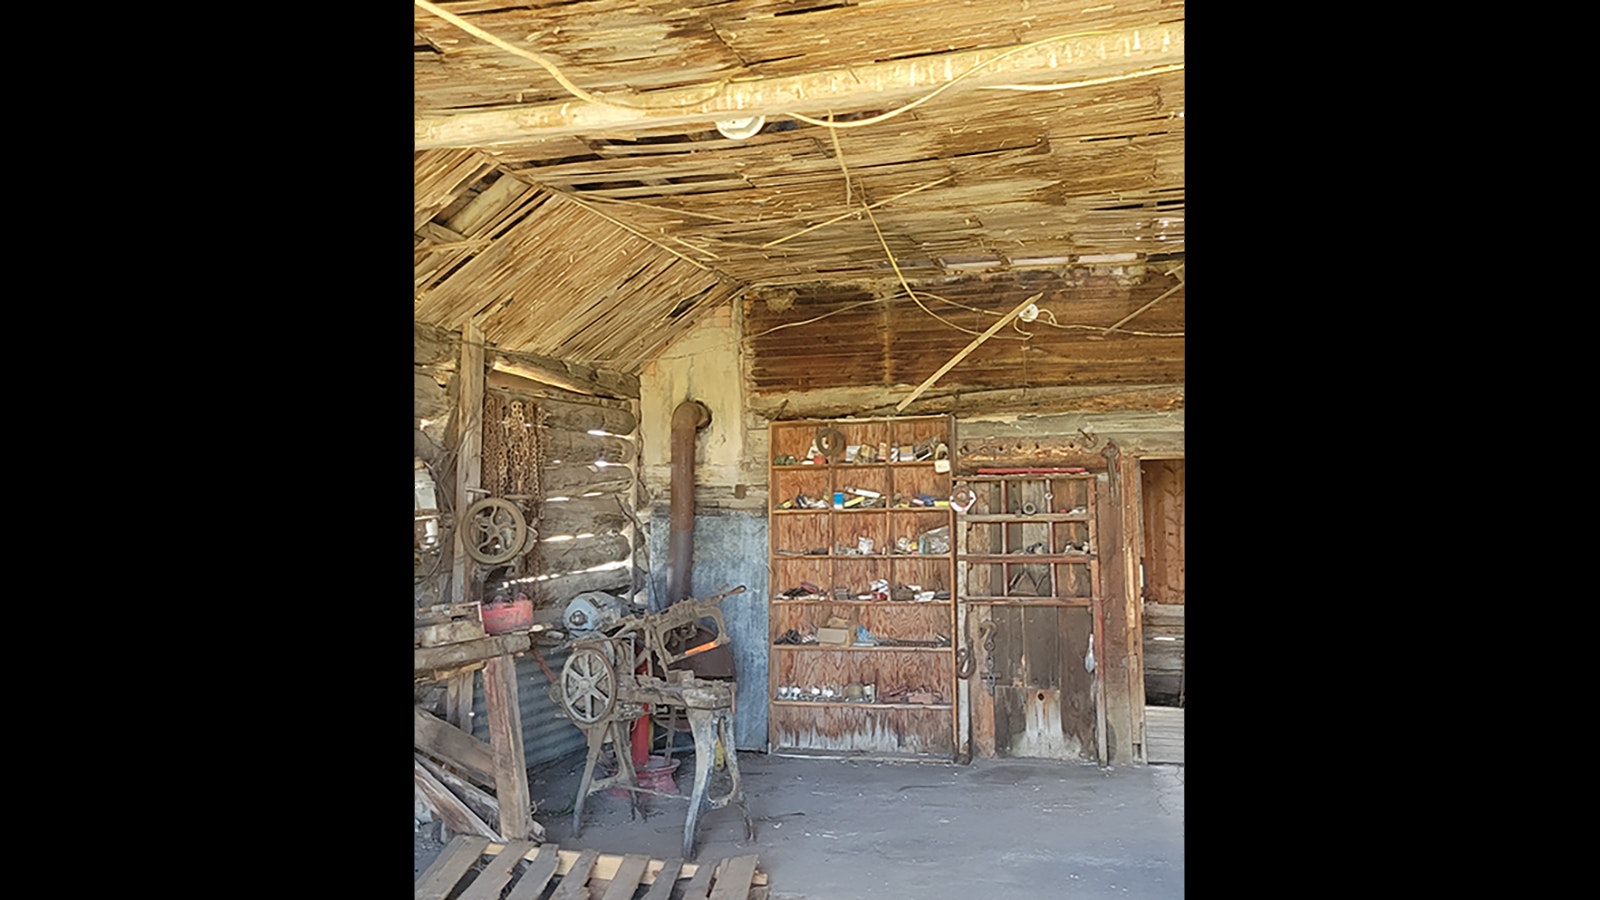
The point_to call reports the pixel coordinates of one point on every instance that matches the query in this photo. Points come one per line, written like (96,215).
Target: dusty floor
(843,829)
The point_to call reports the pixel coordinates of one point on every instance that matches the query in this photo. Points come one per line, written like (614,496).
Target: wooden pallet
(475,868)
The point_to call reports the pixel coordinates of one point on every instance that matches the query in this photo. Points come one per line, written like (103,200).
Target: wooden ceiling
(597,219)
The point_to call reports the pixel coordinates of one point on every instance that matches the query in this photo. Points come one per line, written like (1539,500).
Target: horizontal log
(447,743)
(574,480)
(583,515)
(561,445)
(1103,53)
(428,399)
(560,415)
(455,655)
(837,402)
(584,553)
(569,376)
(564,587)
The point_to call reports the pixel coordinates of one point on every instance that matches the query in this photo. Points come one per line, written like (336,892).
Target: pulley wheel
(830,443)
(588,686)
(495,531)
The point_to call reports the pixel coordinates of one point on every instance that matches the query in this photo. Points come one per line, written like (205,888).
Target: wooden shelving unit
(907,546)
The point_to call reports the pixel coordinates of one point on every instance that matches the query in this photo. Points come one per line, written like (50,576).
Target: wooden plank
(1164,734)
(451,656)
(481,803)
(1115,547)
(492,880)
(469,436)
(733,878)
(665,880)
(452,863)
(575,881)
(1132,504)
(455,814)
(700,884)
(447,633)
(538,874)
(626,879)
(505,743)
(445,742)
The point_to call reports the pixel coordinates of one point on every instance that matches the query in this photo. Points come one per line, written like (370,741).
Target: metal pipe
(690,416)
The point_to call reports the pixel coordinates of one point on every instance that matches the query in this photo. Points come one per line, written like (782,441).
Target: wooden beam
(455,814)
(460,855)
(450,744)
(1117,53)
(451,656)
(605,866)
(481,803)
(575,881)
(568,376)
(469,464)
(1133,527)
(458,701)
(505,742)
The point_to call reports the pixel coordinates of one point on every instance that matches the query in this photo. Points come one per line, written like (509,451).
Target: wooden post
(1133,527)
(458,701)
(469,464)
(1115,654)
(505,742)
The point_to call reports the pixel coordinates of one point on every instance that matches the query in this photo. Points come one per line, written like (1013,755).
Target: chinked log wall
(585,520)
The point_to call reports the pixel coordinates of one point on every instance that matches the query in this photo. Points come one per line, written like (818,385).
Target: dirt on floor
(844,829)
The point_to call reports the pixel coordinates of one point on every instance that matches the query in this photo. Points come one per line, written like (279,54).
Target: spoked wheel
(588,686)
(495,531)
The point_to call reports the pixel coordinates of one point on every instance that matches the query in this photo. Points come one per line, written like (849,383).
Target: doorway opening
(1162,607)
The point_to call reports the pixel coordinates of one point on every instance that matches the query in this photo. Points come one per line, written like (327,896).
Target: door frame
(1134,544)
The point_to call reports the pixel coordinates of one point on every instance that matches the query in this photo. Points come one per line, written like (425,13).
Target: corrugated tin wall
(547,733)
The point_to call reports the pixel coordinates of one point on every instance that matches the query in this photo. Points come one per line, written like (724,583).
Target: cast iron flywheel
(588,686)
(495,531)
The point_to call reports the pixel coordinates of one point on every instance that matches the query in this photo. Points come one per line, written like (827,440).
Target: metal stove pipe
(689,417)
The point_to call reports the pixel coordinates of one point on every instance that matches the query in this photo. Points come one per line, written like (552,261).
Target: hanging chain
(517,439)
(494,444)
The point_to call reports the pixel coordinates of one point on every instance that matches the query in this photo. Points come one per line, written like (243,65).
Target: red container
(504,618)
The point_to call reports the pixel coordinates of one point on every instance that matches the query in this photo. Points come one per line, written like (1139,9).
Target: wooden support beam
(469,440)
(449,744)
(458,701)
(452,656)
(1132,502)
(505,742)
(455,814)
(1088,56)
(568,376)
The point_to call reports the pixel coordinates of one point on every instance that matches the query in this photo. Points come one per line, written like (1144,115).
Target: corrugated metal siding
(730,548)
(547,733)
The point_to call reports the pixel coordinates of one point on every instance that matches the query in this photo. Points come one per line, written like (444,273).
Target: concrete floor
(844,829)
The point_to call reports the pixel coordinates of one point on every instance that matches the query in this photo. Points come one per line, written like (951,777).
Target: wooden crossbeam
(1124,52)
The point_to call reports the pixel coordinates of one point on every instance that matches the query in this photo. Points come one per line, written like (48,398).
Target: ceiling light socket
(739,129)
